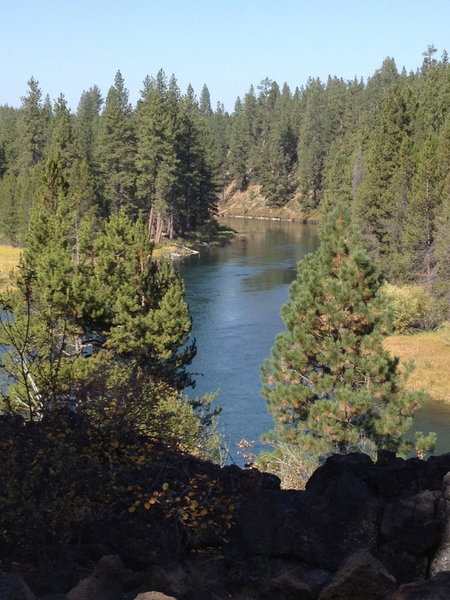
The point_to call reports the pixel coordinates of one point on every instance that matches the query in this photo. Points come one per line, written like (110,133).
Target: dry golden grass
(9,259)
(430,352)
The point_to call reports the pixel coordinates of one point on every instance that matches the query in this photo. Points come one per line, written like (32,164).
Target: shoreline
(302,221)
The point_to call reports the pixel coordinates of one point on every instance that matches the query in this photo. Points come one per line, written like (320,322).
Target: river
(235,294)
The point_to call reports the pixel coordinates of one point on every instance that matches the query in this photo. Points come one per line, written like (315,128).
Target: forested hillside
(381,145)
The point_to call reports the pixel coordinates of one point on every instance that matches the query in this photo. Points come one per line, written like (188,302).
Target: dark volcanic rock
(13,587)
(342,518)
(103,583)
(436,588)
(360,576)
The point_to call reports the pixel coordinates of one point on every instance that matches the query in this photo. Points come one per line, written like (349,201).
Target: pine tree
(92,313)
(61,140)
(418,235)
(32,132)
(205,102)
(237,160)
(86,127)
(157,152)
(380,200)
(330,385)
(117,148)
(313,141)
(278,151)
(196,187)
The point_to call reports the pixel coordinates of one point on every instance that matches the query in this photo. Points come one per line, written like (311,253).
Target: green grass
(430,352)
(9,259)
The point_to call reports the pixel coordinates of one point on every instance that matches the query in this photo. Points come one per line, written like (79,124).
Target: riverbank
(212,235)
(251,204)
(430,352)
(9,259)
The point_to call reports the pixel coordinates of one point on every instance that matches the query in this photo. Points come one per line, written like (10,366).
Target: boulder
(360,576)
(171,580)
(153,596)
(441,559)
(409,533)
(343,517)
(103,583)
(317,579)
(289,586)
(13,587)
(436,588)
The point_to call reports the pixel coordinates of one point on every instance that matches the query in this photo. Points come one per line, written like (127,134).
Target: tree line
(381,146)
(151,159)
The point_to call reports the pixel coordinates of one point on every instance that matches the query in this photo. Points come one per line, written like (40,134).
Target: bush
(413,308)
(65,481)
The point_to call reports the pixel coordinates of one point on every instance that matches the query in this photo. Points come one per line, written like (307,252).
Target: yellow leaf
(131,509)
(147,505)
(165,486)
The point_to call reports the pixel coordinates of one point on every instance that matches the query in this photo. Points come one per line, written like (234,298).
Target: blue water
(235,294)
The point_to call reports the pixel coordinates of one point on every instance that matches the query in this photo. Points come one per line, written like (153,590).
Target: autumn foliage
(66,483)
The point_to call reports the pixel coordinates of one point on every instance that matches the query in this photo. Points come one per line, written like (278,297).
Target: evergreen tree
(380,200)
(239,147)
(93,314)
(312,145)
(330,385)
(116,149)
(279,152)
(157,152)
(61,140)
(418,235)
(32,132)
(196,187)
(9,118)
(205,102)
(86,126)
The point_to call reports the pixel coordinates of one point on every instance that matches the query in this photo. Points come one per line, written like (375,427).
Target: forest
(382,146)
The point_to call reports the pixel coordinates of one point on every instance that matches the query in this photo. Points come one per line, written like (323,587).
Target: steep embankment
(252,203)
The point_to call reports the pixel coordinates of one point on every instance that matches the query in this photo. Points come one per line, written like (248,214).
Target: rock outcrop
(378,531)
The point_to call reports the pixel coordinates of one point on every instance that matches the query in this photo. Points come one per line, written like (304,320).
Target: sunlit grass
(430,352)
(9,259)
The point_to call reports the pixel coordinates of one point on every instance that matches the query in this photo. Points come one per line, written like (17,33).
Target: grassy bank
(9,259)
(430,352)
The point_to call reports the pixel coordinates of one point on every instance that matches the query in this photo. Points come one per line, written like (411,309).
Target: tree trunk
(151,224)
(159,228)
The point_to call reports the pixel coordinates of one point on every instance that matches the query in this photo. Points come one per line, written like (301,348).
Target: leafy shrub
(65,480)
(413,308)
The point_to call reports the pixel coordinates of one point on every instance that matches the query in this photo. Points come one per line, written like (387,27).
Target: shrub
(66,481)
(413,308)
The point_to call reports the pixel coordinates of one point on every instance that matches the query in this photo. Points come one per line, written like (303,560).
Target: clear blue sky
(68,46)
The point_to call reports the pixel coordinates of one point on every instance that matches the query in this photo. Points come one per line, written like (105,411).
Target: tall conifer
(330,385)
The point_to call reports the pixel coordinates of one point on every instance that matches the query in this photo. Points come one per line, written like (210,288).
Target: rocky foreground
(360,530)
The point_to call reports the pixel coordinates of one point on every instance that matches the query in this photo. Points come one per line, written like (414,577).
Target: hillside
(252,203)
